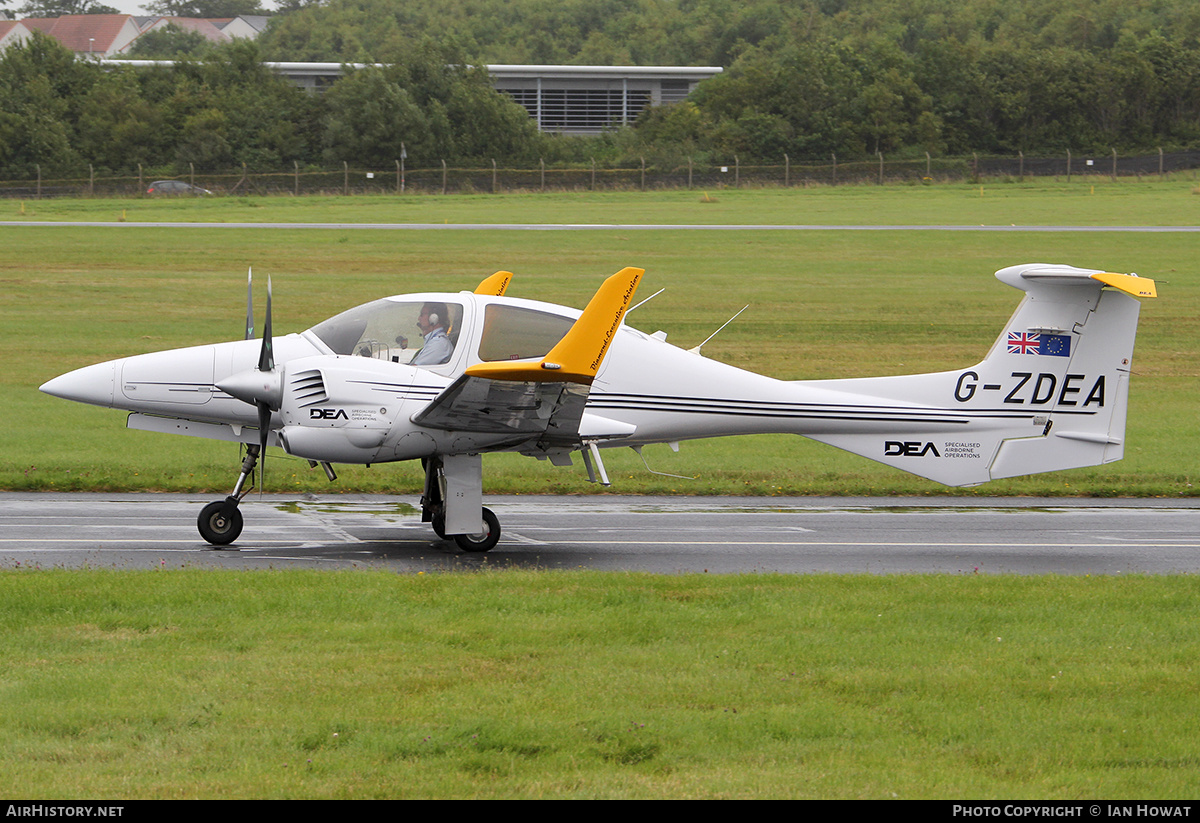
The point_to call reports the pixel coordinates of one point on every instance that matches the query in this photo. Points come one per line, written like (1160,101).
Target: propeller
(262,386)
(266,363)
(250,303)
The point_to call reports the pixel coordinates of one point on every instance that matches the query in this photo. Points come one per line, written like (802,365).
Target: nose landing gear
(220,522)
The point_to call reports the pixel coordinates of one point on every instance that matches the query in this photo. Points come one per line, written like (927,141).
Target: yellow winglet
(577,357)
(495,285)
(1128,283)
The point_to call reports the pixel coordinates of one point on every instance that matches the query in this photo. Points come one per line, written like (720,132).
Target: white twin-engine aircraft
(488,372)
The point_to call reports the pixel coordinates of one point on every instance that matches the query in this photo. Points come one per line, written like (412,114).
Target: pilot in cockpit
(434,323)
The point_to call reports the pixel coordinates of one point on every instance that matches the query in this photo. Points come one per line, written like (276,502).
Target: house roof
(211,33)
(83,33)
(11,31)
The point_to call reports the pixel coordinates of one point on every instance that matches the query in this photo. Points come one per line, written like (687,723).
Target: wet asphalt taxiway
(657,534)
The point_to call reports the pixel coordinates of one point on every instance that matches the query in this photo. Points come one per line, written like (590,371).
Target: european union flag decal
(1055,345)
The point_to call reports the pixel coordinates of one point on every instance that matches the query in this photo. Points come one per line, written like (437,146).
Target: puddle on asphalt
(396,510)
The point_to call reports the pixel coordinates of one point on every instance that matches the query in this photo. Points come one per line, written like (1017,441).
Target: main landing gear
(220,523)
(453,491)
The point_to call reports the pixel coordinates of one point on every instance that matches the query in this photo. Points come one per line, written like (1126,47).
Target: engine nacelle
(327,445)
(341,409)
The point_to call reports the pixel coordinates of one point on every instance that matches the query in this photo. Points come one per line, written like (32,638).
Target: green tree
(118,128)
(42,87)
(170,42)
(368,118)
(204,8)
(232,109)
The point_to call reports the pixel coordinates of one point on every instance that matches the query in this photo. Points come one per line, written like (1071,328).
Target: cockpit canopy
(389,329)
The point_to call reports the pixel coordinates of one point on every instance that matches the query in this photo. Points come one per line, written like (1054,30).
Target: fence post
(1160,162)
(345,178)
(1068,165)
(1021,167)
(140,175)
(928,172)
(1114,169)
(403,158)
(39,180)
(689,171)
(834,154)
(737,172)
(192,172)
(880,167)
(493,175)
(542,172)
(399,184)
(443,175)
(643,174)
(593,174)
(787,170)
(295,178)
(91,181)
(975,166)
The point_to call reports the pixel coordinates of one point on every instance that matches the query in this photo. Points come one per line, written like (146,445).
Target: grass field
(1086,201)
(822,304)
(186,684)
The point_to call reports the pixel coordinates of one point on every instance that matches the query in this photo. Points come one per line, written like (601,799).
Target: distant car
(175,187)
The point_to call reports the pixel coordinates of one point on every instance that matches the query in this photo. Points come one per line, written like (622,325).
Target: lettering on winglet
(612,329)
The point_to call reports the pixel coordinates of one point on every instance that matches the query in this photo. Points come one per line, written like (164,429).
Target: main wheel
(483,541)
(220,523)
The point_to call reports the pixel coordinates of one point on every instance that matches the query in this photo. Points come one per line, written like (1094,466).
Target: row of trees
(61,113)
(803,79)
(805,76)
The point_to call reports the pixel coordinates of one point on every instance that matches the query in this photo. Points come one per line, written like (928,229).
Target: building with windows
(562,99)
(589,99)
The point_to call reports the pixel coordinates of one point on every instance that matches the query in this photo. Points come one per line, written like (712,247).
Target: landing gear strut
(220,522)
(453,492)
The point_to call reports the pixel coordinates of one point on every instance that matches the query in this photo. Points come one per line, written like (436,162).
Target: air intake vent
(309,388)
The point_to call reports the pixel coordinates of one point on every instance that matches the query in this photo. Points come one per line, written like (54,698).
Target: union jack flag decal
(1020,342)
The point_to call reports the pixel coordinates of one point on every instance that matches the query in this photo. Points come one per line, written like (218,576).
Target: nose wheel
(220,522)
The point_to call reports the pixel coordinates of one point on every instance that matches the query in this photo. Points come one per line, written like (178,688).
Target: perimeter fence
(496,179)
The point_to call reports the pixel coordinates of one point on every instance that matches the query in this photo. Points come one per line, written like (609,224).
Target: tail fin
(1051,394)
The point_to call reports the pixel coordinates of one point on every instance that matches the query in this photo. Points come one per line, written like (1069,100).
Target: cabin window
(515,333)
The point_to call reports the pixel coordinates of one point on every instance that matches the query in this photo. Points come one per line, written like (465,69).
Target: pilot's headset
(435,315)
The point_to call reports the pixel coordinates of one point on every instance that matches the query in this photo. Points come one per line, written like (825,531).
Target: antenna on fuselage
(696,349)
(647,300)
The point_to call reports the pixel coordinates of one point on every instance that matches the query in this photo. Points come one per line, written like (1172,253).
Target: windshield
(419,332)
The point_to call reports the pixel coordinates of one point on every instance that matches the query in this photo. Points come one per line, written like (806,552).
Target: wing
(544,399)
